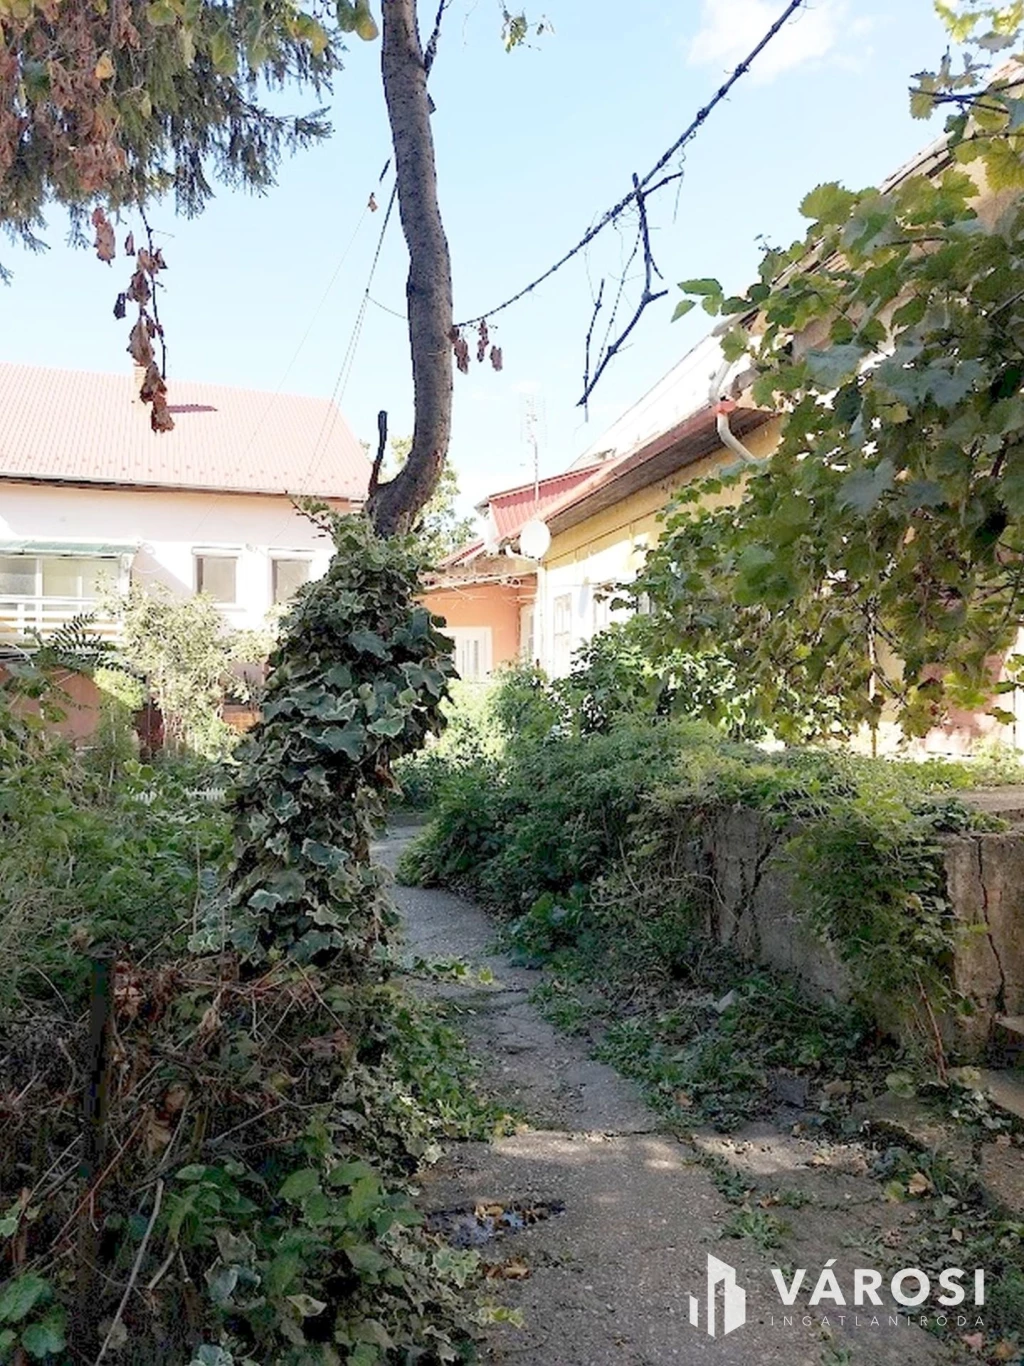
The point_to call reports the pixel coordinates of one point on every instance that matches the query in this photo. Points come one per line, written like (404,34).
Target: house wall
(609,547)
(170,527)
(482,606)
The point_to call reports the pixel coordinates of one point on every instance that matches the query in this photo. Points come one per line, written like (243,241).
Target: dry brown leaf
(104,68)
(157,1133)
(496,359)
(462,355)
(129,245)
(175,1098)
(1005,1350)
(919,1184)
(106,244)
(372,203)
(152,383)
(139,346)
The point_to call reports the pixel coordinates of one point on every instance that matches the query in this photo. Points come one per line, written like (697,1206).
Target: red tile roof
(513,508)
(69,426)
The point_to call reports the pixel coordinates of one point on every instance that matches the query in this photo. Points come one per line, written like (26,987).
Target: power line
(345,370)
(643,187)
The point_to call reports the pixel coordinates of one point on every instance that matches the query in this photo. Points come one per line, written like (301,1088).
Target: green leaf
(20,1296)
(363,1199)
(863,489)
(47,1336)
(300,1184)
(682,308)
(161,13)
(829,203)
(389,726)
(705,286)
(368,643)
(349,740)
(829,367)
(366,1258)
(221,1281)
(223,53)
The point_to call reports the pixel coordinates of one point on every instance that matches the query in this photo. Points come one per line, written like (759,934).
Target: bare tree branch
(646,298)
(378,460)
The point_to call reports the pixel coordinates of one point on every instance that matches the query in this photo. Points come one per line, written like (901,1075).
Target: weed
(759,1226)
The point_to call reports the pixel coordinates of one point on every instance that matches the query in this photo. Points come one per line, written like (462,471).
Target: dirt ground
(609,1279)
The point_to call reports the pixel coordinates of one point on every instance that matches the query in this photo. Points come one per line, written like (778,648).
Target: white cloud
(730,28)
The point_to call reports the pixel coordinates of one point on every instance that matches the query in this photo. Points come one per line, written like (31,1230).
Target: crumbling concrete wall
(748,902)
(985,877)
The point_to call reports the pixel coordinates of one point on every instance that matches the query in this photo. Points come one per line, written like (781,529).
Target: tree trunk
(393,506)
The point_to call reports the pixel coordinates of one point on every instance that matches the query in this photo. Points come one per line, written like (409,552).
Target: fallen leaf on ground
(919,1184)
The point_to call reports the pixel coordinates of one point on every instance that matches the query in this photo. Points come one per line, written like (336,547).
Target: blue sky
(531,147)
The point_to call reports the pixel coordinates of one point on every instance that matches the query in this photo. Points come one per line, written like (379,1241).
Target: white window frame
(483,637)
(216,552)
(275,554)
(561,636)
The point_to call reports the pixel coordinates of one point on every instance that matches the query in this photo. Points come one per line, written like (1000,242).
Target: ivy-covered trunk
(356,681)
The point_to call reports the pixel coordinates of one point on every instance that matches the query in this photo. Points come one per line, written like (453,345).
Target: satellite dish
(534,540)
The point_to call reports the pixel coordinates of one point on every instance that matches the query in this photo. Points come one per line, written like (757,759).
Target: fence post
(94,1136)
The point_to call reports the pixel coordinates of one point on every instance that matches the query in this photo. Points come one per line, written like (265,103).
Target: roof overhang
(682,445)
(28,545)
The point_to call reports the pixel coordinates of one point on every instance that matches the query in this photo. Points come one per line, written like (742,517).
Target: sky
(264,292)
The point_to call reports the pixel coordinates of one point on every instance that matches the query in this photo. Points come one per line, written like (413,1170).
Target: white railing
(21,616)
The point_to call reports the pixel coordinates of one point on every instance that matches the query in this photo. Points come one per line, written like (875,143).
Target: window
(526,641)
(216,575)
(65,576)
(472,651)
(287,577)
(79,577)
(561,634)
(601,606)
(18,575)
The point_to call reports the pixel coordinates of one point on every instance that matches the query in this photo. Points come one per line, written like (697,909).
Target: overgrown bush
(599,836)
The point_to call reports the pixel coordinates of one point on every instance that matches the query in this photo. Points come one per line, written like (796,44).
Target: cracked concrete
(610,1280)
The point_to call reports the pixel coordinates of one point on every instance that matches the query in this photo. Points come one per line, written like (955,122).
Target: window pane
(289,576)
(67,576)
(215,576)
(18,574)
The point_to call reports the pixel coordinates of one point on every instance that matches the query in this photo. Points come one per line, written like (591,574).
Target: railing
(21,616)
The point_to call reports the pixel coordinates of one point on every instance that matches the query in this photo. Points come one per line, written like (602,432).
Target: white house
(89,495)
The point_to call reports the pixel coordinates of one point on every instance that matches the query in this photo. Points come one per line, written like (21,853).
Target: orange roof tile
(70,426)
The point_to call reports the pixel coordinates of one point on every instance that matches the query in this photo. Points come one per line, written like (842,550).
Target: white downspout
(723,407)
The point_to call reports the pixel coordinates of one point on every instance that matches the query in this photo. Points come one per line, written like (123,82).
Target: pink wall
(485,604)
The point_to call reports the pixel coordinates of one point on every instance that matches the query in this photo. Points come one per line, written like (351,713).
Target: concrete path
(610,1279)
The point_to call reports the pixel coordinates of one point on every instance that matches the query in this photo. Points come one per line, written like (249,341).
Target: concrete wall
(748,903)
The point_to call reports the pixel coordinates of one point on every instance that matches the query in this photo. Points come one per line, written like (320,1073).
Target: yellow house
(601,530)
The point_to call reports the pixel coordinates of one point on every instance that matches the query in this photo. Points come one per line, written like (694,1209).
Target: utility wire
(643,187)
(345,370)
